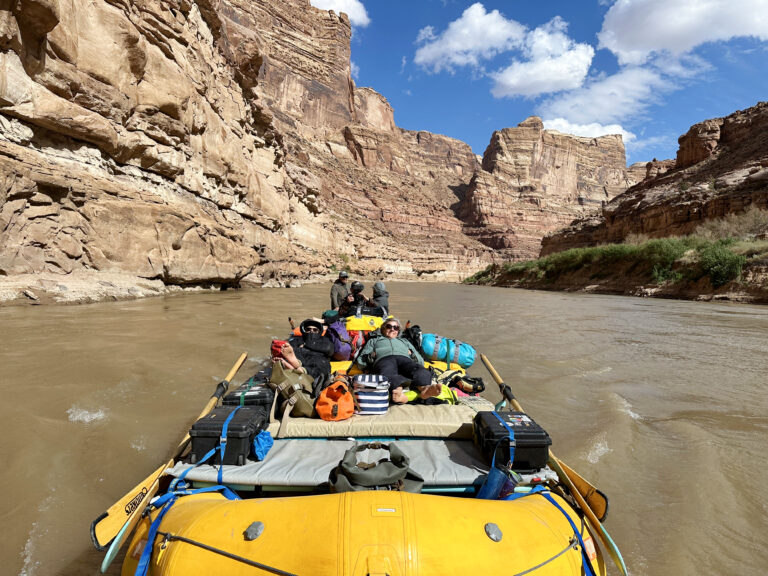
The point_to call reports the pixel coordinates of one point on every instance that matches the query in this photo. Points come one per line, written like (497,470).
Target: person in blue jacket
(397,359)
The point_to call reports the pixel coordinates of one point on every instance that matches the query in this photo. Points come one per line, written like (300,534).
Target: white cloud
(592,130)
(403,63)
(353,8)
(555,63)
(636,29)
(426,34)
(653,142)
(611,99)
(354,69)
(546,75)
(477,35)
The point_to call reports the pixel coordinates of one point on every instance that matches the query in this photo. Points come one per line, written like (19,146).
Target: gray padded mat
(308,462)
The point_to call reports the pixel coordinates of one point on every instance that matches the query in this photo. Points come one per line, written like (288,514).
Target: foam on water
(596,372)
(598,449)
(30,565)
(140,444)
(626,408)
(77,414)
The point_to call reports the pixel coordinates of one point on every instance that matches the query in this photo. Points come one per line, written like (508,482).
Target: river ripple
(661,404)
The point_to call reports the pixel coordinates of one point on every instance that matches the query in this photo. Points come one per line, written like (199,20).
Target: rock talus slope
(214,142)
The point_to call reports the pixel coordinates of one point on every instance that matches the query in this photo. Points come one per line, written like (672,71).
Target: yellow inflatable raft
(274,513)
(364,533)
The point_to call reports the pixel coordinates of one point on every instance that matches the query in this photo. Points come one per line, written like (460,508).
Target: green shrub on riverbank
(656,261)
(717,251)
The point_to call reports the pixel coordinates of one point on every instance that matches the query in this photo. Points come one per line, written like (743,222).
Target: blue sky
(647,69)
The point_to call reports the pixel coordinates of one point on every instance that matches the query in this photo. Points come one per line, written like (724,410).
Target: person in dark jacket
(380,296)
(355,300)
(339,290)
(397,359)
(310,351)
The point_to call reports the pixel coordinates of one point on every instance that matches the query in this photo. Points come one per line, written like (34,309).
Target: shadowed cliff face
(220,141)
(721,168)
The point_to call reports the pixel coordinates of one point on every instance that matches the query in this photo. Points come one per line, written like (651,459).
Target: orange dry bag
(336,401)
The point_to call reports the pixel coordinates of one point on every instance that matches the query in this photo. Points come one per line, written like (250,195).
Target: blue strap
(584,558)
(512,442)
(222,446)
(166,501)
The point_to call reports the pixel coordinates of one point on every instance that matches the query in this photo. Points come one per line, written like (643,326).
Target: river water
(661,404)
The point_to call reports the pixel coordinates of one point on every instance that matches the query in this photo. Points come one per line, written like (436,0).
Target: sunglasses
(312,329)
(392,327)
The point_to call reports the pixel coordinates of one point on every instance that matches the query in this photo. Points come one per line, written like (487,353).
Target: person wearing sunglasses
(389,354)
(311,350)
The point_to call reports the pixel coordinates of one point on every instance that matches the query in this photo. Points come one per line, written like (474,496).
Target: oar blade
(108,525)
(600,531)
(597,501)
(125,531)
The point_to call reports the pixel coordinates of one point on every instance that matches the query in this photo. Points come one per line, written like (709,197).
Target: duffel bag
(295,388)
(390,473)
(437,348)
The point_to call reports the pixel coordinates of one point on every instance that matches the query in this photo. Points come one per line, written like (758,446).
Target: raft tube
(365,533)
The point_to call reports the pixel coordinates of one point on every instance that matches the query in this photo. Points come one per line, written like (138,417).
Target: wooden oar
(559,468)
(127,510)
(596,499)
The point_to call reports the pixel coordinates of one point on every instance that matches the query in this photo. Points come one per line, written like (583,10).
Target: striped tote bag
(372,394)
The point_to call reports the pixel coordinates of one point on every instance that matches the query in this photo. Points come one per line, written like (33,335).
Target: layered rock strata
(215,142)
(721,168)
(536,181)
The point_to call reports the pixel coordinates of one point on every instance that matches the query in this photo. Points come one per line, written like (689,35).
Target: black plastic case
(206,433)
(531,441)
(255,395)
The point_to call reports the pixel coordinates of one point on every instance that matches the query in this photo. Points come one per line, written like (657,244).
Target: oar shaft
(221,389)
(506,391)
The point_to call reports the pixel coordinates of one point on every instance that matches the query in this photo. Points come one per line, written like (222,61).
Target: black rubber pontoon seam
(168,537)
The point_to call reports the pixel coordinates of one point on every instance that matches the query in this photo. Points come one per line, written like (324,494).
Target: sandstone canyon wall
(721,168)
(214,142)
(536,181)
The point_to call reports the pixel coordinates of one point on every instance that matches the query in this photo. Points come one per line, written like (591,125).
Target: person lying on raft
(310,351)
(396,358)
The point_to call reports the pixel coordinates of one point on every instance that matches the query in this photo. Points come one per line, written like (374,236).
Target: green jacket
(380,346)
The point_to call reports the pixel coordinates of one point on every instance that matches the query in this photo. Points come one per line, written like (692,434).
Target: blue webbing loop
(166,501)
(546,493)
(512,442)
(584,558)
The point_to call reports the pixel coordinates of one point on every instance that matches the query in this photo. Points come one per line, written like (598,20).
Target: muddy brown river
(663,405)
